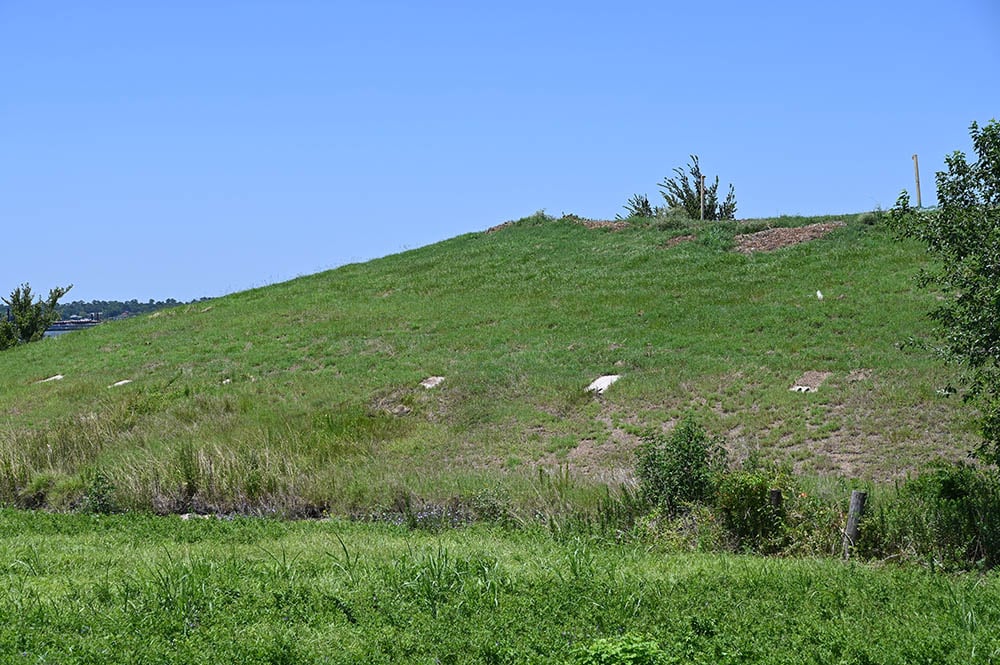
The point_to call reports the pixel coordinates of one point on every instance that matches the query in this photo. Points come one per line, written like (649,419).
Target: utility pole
(702,186)
(916,174)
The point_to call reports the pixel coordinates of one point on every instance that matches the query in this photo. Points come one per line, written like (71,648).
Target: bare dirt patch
(769,240)
(606,224)
(856,375)
(617,225)
(673,242)
(609,458)
(810,382)
(499,227)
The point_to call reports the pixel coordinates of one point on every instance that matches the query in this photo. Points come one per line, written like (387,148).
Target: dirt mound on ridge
(769,240)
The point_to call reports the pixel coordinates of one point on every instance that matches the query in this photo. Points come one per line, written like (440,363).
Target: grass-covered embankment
(304,397)
(143,589)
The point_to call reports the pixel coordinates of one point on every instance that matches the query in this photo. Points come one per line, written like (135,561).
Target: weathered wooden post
(854,512)
(774,498)
(701,186)
(916,174)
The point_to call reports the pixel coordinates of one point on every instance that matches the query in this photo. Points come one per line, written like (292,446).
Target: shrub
(684,195)
(871,218)
(743,502)
(638,206)
(100,496)
(679,470)
(681,192)
(718,237)
(669,219)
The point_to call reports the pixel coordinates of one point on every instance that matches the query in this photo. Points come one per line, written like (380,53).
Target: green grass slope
(305,396)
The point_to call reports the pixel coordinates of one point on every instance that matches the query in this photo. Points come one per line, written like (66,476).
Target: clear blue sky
(185,149)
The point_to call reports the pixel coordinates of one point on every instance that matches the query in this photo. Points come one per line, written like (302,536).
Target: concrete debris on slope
(810,382)
(602,383)
(432,382)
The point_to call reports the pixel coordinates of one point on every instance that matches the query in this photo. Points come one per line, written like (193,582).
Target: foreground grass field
(145,589)
(304,398)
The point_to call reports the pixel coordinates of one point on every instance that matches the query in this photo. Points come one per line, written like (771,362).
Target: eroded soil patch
(673,242)
(769,240)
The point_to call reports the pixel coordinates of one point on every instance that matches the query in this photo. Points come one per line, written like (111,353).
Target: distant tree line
(113,309)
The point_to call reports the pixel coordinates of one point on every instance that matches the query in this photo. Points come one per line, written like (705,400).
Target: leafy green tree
(680,192)
(963,237)
(8,337)
(28,320)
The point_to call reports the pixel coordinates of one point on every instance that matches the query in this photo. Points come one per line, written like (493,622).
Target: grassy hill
(305,396)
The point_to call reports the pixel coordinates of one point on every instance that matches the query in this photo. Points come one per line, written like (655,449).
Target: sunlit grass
(304,397)
(146,589)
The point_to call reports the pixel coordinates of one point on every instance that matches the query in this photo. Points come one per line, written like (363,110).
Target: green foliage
(872,217)
(638,206)
(189,474)
(671,219)
(963,236)
(677,471)
(948,516)
(718,237)
(629,649)
(354,425)
(681,192)
(8,334)
(26,320)
(743,501)
(100,496)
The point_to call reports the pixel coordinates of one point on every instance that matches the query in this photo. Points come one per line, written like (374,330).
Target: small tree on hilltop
(680,192)
(27,321)
(963,235)
(638,206)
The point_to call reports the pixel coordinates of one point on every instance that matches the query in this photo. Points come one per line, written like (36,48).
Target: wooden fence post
(774,498)
(916,174)
(854,512)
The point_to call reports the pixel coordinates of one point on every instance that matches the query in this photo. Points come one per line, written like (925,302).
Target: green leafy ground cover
(145,589)
(303,398)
